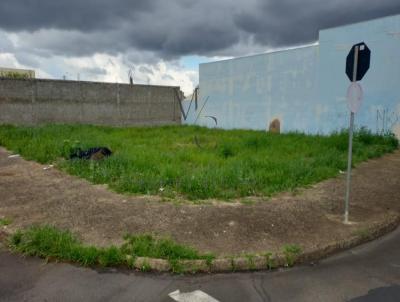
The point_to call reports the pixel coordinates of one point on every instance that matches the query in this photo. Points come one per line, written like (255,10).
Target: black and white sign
(363,61)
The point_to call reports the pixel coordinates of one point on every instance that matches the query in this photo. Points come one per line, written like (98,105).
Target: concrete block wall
(39,101)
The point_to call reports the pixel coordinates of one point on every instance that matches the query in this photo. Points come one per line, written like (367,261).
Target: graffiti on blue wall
(386,120)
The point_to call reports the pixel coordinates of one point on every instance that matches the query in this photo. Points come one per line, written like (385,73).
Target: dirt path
(30,194)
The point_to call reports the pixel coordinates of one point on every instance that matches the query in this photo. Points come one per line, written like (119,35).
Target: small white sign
(354,97)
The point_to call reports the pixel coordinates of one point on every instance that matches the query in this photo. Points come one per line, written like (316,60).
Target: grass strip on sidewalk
(52,243)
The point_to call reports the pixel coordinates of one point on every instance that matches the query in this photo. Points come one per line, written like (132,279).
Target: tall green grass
(220,164)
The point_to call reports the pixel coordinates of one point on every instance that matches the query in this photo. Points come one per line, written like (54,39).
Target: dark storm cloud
(72,14)
(172,28)
(283,22)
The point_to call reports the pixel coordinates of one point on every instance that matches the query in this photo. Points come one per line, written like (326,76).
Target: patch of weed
(291,252)
(145,267)
(209,259)
(176,266)
(233,265)
(130,261)
(51,243)
(5,221)
(250,261)
(269,260)
(163,248)
(227,151)
(111,256)
(362,233)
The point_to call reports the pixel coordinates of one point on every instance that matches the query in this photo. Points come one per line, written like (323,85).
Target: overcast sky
(162,41)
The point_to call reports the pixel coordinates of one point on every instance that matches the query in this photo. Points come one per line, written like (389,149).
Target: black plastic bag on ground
(95,153)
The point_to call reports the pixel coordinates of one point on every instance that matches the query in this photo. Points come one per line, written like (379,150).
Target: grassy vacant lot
(169,161)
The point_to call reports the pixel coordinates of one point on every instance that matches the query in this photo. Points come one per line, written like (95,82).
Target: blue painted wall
(305,88)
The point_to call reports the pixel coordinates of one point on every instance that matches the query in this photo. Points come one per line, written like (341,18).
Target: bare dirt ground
(30,194)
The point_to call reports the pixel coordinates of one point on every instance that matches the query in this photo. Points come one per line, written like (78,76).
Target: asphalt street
(367,273)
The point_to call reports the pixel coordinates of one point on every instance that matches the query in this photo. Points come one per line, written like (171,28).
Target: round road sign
(354,97)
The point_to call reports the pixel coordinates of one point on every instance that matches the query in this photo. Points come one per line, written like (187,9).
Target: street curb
(267,261)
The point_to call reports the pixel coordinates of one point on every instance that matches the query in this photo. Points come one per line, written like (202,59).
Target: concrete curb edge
(265,261)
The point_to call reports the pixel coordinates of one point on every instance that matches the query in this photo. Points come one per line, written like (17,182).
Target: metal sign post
(350,156)
(357,64)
